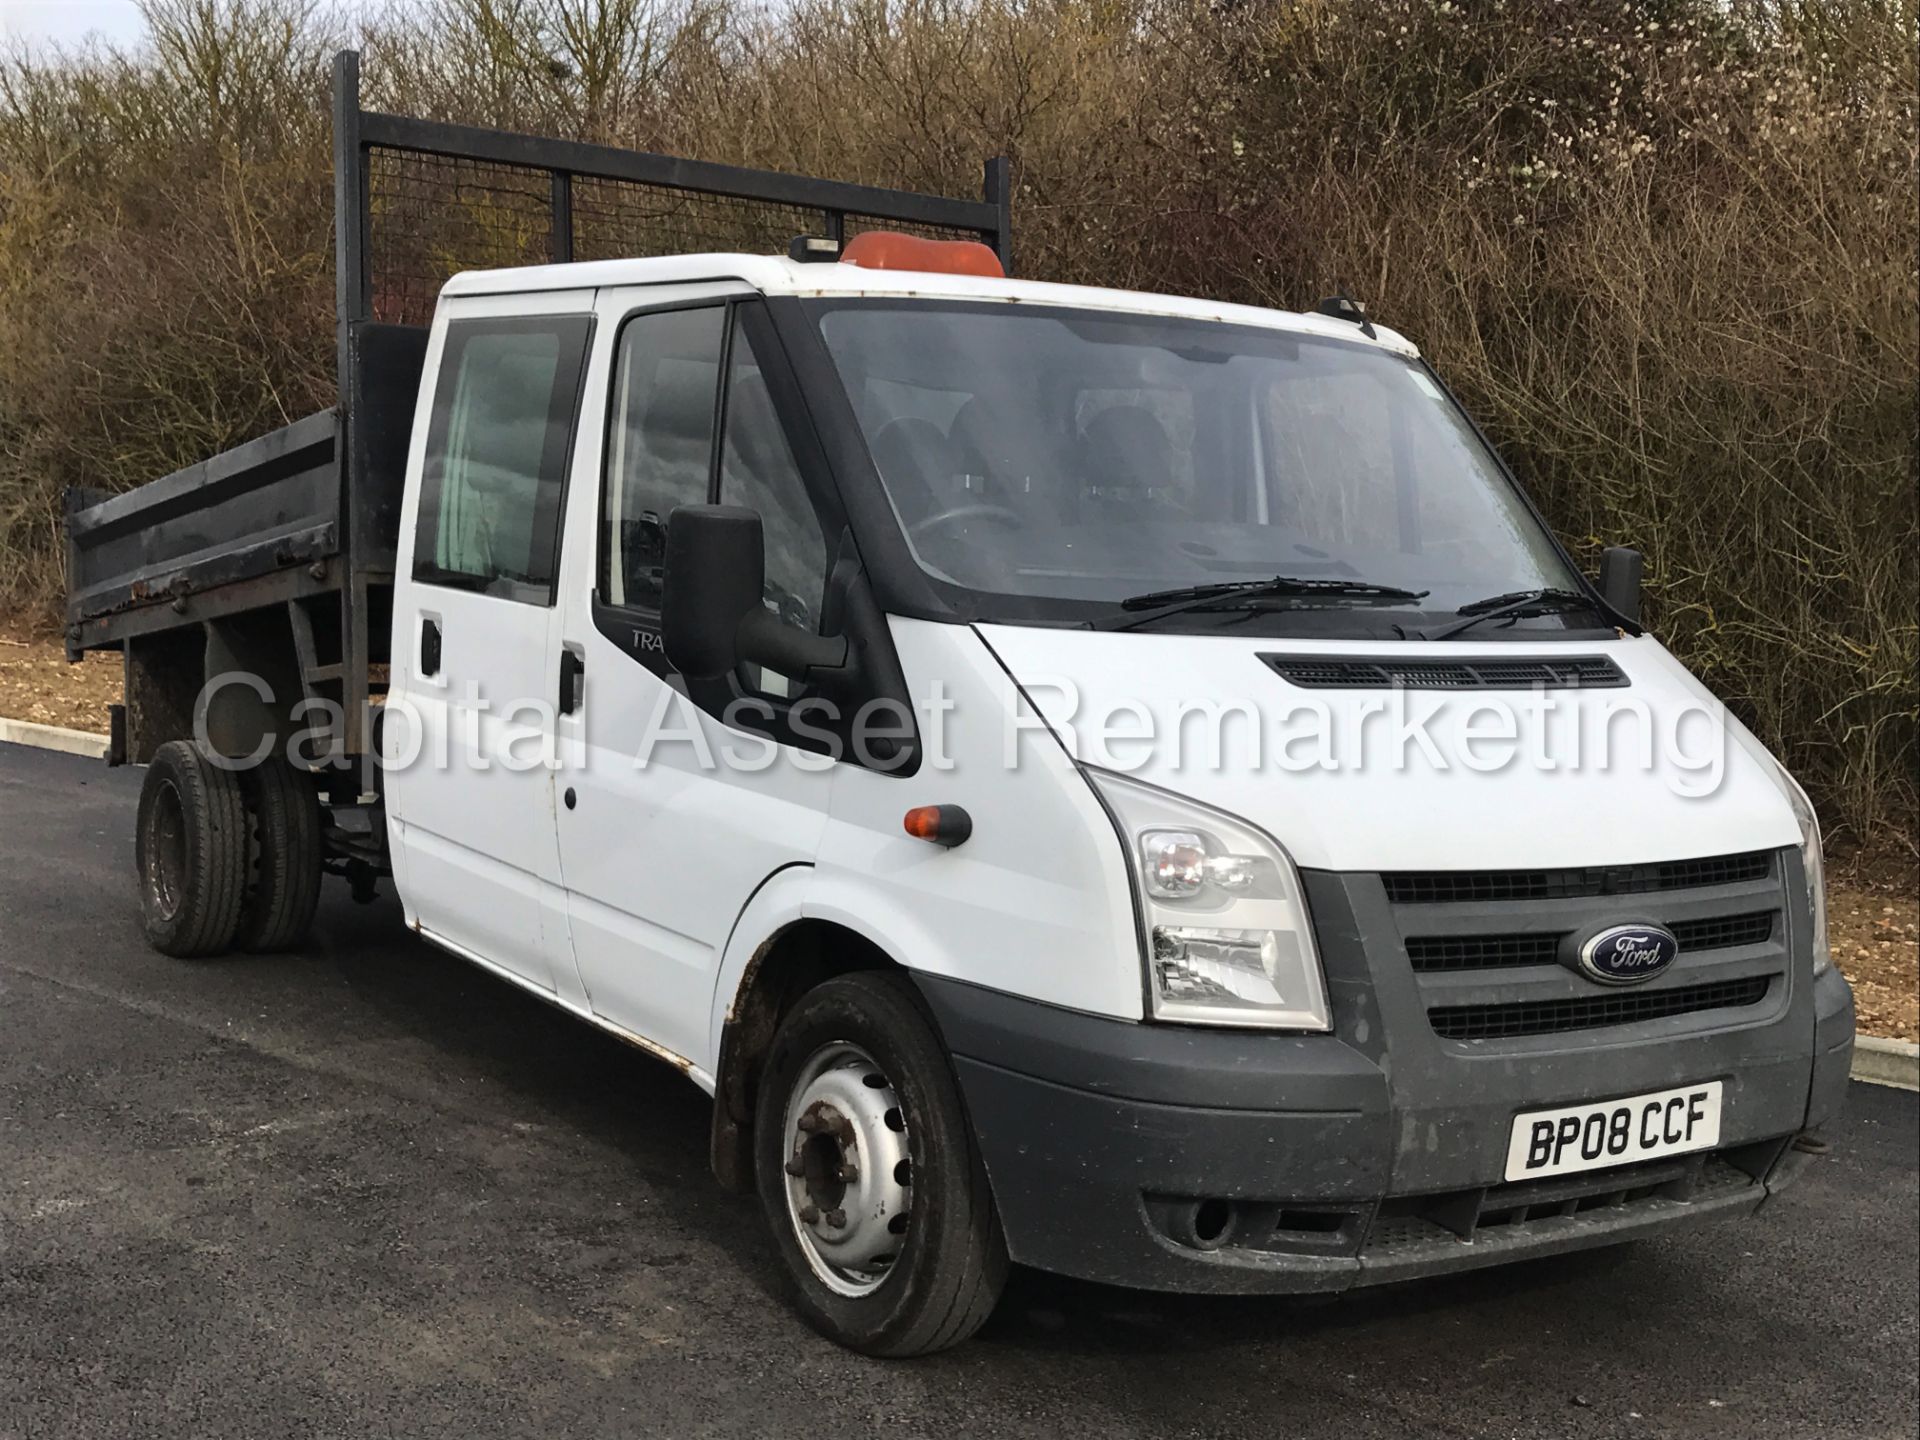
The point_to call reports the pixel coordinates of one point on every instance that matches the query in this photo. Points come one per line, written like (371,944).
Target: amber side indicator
(946,825)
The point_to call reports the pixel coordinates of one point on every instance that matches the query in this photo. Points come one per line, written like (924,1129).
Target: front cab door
(672,816)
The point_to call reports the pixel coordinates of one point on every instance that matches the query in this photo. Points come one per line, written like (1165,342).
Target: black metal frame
(357,133)
(191,573)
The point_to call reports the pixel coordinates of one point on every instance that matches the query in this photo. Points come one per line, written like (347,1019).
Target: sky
(67,22)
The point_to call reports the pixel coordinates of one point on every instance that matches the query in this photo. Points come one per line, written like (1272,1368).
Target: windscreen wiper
(1155,604)
(1514,605)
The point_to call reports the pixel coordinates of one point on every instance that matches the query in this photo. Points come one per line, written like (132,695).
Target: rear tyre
(191,851)
(869,1175)
(283,880)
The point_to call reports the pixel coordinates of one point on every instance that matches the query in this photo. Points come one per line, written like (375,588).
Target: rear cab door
(469,736)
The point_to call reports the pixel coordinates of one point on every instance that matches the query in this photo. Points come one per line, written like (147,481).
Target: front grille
(1440,887)
(1592,1012)
(1432,953)
(1723,932)
(1481,952)
(1333,672)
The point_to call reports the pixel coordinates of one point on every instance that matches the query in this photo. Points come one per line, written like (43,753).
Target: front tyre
(191,851)
(867,1169)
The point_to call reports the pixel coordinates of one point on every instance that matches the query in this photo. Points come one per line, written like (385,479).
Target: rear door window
(504,408)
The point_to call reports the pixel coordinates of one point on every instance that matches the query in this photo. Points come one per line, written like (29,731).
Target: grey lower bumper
(1184,1159)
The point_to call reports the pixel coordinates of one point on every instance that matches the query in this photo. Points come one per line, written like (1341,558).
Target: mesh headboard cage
(417,201)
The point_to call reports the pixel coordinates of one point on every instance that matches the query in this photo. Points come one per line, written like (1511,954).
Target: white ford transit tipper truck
(1118,783)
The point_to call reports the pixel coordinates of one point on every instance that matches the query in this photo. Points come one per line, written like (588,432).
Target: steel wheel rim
(847,1175)
(166,858)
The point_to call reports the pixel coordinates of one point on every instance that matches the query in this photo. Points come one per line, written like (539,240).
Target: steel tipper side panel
(265,506)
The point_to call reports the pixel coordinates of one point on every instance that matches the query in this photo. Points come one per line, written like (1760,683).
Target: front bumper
(1187,1159)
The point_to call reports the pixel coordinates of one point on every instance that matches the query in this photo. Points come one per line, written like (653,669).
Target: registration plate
(1614,1132)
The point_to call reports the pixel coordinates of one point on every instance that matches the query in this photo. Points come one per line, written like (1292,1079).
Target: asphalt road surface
(367,1190)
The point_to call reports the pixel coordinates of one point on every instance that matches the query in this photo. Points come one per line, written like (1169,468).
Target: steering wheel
(980,510)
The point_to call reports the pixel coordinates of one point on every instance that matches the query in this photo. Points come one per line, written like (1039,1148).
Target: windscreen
(1079,455)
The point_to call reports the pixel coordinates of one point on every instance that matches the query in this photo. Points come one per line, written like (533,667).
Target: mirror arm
(766,639)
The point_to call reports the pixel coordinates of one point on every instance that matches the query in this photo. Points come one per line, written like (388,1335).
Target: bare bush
(1665,249)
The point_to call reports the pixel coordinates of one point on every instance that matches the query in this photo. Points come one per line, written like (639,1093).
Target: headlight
(1228,940)
(1813,863)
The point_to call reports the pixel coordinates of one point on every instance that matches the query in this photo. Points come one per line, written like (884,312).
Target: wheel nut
(811,1124)
(836,1218)
(795,1169)
(849,1174)
(810,1214)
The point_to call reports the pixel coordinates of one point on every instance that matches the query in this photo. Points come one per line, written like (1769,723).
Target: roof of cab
(772,275)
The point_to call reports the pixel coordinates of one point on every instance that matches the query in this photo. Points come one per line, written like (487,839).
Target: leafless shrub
(1665,249)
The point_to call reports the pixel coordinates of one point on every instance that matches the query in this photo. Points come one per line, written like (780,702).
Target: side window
(659,443)
(503,414)
(757,470)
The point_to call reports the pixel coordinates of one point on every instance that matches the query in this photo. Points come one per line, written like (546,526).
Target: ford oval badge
(1627,954)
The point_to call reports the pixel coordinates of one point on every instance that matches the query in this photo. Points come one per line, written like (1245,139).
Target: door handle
(429,647)
(573,675)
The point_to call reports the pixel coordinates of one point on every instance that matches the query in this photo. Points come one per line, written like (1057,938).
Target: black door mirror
(711,614)
(1620,570)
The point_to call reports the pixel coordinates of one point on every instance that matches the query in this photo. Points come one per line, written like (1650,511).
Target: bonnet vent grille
(1339,672)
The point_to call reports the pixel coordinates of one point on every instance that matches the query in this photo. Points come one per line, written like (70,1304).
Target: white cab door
(670,817)
(469,736)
